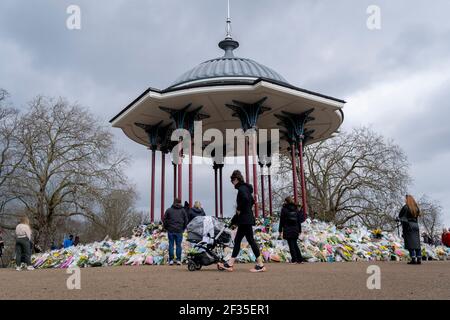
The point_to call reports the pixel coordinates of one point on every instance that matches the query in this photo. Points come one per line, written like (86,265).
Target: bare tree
(69,156)
(356,177)
(10,154)
(431,215)
(117,216)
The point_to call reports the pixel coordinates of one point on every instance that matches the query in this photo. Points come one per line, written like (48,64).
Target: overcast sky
(396,79)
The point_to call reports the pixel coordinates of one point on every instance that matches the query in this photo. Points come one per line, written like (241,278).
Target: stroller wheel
(198,266)
(191,266)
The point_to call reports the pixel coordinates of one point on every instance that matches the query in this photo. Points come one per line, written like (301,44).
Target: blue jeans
(175,238)
(415,253)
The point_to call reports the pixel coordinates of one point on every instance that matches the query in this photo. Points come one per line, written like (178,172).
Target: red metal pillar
(255,176)
(302,178)
(262,191)
(270,189)
(215,191)
(163,183)
(180,174)
(174,180)
(221,190)
(152,196)
(294,173)
(190,176)
(247,171)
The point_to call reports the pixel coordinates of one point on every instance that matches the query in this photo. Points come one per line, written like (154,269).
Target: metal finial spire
(228,44)
(228,22)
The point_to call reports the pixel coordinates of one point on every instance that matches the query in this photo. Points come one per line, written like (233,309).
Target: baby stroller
(210,236)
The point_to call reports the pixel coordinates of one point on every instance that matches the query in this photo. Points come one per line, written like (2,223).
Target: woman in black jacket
(245,220)
(411,235)
(291,219)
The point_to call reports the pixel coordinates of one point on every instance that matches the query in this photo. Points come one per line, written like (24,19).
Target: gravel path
(282,281)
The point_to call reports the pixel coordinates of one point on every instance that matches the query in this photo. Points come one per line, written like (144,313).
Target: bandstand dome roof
(226,68)
(216,83)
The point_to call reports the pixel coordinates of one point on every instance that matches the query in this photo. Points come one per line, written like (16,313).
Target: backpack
(291,217)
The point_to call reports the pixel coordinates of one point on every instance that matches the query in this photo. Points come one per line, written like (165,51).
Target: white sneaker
(30,268)
(171,263)
(178,263)
(18,269)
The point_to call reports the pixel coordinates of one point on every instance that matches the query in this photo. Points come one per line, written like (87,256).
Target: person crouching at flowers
(245,220)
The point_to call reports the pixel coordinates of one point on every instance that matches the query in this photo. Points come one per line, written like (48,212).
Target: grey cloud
(126,46)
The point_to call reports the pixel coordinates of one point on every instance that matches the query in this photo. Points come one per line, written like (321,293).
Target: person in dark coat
(291,219)
(196,211)
(244,220)
(2,245)
(411,235)
(175,222)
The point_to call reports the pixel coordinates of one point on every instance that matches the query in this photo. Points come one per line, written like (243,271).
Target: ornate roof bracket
(152,133)
(184,119)
(166,144)
(294,123)
(248,113)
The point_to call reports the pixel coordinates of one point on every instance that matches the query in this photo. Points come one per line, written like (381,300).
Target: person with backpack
(291,219)
(244,220)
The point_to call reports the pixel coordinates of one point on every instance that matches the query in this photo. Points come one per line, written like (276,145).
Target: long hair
(25,220)
(412,206)
(237,175)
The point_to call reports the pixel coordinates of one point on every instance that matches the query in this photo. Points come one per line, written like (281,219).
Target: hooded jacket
(194,212)
(244,204)
(175,219)
(291,229)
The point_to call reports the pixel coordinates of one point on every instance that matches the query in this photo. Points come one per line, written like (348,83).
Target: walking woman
(291,219)
(23,245)
(408,217)
(245,220)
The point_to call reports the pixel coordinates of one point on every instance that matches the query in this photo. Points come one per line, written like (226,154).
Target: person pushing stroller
(245,220)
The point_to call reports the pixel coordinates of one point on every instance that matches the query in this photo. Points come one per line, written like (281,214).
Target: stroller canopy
(208,229)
